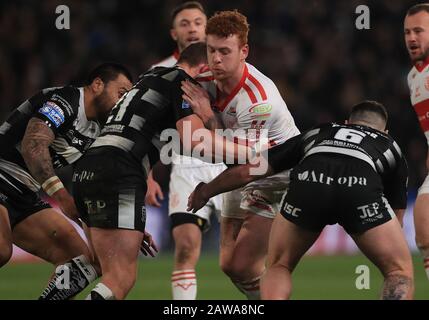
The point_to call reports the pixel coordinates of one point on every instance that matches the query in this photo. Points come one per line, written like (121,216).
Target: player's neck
(226,86)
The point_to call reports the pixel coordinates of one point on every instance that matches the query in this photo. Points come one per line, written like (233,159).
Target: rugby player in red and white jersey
(188,26)
(245,99)
(416,29)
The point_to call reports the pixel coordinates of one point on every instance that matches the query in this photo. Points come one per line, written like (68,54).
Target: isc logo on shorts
(290,209)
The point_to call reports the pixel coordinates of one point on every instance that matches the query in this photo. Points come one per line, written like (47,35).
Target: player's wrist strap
(52,185)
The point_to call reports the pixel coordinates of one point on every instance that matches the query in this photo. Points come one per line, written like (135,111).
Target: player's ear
(173,34)
(244,51)
(97,86)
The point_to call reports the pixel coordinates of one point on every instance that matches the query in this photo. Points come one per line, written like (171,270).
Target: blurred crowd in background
(312,50)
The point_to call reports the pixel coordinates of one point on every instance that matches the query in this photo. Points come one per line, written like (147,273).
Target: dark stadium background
(311,49)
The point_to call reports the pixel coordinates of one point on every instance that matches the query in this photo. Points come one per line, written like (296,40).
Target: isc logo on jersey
(53,112)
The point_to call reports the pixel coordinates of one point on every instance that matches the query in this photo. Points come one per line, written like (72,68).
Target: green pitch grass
(317,277)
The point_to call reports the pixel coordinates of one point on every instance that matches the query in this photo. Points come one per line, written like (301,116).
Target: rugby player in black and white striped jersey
(51,130)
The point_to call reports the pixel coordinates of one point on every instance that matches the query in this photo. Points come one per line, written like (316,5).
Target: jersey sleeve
(181,108)
(56,107)
(286,155)
(395,185)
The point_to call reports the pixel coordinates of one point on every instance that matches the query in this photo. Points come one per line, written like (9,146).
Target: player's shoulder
(256,77)
(67,98)
(260,88)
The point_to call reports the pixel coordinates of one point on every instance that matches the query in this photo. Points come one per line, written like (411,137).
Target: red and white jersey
(255,103)
(418,83)
(168,62)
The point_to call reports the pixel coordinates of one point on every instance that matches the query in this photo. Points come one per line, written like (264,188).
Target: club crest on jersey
(53,112)
(185,105)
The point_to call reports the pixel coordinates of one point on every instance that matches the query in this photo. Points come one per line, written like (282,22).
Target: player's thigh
(229,230)
(116,249)
(386,247)
(288,243)
(252,241)
(5,236)
(50,236)
(421,219)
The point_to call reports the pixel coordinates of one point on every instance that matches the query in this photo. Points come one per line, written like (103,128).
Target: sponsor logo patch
(53,112)
(262,108)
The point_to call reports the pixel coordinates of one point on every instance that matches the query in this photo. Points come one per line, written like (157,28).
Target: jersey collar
(237,88)
(423,65)
(176,54)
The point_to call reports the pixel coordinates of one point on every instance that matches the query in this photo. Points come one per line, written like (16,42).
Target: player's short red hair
(226,23)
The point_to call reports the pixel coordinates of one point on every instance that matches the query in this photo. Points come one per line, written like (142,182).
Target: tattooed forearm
(397,287)
(35,149)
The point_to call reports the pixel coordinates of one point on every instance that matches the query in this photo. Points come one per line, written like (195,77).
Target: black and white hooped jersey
(62,109)
(154,103)
(375,148)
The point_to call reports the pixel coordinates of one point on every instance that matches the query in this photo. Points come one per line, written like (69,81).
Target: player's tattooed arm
(35,149)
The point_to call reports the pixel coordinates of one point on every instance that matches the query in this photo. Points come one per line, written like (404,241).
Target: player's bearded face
(416,30)
(112,92)
(225,55)
(189,27)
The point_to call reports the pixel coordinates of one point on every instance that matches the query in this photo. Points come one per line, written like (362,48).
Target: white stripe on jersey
(390,158)
(4,128)
(19,174)
(2,177)
(64,149)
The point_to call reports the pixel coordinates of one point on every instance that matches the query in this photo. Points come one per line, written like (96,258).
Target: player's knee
(235,269)
(186,250)
(226,267)
(123,280)
(402,268)
(5,254)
